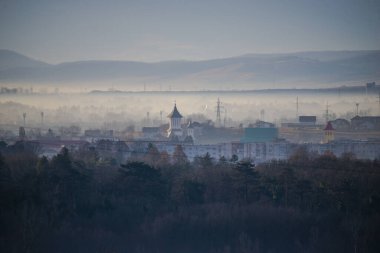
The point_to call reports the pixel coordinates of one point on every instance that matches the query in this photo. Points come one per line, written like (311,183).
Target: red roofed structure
(329,127)
(329,132)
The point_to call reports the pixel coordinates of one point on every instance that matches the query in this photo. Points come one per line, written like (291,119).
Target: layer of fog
(118,111)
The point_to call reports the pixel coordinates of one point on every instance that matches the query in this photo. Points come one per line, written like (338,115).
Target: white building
(266,151)
(361,149)
(257,151)
(175,129)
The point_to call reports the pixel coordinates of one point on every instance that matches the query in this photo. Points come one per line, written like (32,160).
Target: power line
(218,111)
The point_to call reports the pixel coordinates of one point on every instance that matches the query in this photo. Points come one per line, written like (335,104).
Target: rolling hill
(252,71)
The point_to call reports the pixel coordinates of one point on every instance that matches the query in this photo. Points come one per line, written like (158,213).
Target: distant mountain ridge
(12,60)
(252,71)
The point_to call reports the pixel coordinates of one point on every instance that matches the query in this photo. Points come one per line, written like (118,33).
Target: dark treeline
(78,202)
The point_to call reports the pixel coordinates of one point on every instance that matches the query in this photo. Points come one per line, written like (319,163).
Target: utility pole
(357,109)
(379,102)
(161,118)
(262,115)
(225,116)
(24,116)
(42,119)
(297,108)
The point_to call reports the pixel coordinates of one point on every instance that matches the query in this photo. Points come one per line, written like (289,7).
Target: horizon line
(187,60)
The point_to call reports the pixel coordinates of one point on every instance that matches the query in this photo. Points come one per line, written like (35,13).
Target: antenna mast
(327,112)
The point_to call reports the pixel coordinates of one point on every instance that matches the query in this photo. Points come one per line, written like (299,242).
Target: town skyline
(213,126)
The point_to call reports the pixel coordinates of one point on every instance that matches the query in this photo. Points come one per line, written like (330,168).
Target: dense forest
(79,202)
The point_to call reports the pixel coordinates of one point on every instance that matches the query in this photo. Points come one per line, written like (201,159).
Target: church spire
(175,113)
(175,128)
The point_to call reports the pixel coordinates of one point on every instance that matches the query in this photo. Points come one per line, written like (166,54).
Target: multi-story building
(369,149)
(367,122)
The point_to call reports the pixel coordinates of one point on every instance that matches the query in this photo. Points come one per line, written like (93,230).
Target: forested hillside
(76,202)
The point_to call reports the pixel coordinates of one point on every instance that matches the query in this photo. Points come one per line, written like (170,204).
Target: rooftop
(307,119)
(175,113)
(329,127)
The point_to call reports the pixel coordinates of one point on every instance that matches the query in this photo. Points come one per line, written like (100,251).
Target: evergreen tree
(179,157)
(152,155)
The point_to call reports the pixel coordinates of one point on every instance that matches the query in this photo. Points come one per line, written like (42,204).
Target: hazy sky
(66,30)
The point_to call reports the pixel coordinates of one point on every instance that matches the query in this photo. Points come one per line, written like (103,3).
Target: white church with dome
(175,128)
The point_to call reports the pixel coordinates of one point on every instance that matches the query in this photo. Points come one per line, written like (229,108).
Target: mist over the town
(190,126)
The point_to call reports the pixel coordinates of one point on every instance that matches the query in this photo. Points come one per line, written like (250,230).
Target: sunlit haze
(190,126)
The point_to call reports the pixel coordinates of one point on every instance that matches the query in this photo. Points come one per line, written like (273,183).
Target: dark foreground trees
(307,204)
